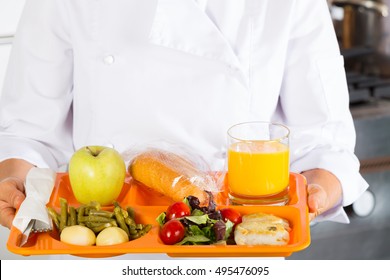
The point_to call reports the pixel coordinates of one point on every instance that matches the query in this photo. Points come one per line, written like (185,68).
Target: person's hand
(317,200)
(323,191)
(11,196)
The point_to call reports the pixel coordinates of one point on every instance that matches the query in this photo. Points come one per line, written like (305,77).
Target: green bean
(99,228)
(101,213)
(64,213)
(135,236)
(132,230)
(92,205)
(120,219)
(116,204)
(134,233)
(94,224)
(114,223)
(131,213)
(129,221)
(80,213)
(72,216)
(139,226)
(92,216)
(85,219)
(147,228)
(54,216)
(125,214)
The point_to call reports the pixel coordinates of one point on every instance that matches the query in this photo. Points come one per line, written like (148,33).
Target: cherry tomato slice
(172,232)
(177,210)
(231,214)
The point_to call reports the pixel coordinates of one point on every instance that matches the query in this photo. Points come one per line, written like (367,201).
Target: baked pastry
(170,175)
(262,229)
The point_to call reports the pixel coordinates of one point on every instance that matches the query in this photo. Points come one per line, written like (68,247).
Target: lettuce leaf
(199,220)
(194,239)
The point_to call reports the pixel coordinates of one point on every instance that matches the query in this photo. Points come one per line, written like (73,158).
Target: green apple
(96,173)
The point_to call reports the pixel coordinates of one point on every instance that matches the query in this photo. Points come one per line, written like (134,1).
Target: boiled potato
(111,236)
(78,235)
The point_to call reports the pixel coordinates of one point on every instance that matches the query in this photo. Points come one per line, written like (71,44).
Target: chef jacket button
(109,59)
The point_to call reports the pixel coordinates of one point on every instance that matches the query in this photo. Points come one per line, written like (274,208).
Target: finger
(316,200)
(12,193)
(312,216)
(16,181)
(312,197)
(7,214)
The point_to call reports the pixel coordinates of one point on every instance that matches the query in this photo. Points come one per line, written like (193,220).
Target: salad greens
(204,226)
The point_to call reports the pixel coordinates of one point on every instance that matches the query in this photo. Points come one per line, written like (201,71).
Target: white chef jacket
(128,72)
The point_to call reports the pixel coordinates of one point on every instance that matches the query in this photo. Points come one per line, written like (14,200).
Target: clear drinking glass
(258,163)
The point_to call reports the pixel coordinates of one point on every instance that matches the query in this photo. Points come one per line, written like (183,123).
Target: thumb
(11,197)
(316,200)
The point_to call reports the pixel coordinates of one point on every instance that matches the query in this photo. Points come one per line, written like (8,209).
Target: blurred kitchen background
(363,31)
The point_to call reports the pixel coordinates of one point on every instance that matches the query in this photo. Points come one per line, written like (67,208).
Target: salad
(188,223)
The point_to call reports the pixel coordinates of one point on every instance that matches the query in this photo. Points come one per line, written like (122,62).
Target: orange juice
(258,168)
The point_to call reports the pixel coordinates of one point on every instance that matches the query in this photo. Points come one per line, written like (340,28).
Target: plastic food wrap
(172,172)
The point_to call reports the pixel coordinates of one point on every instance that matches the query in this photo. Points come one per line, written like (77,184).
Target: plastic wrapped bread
(171,175)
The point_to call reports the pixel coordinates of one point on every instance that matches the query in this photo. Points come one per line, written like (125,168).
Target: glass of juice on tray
(258,163)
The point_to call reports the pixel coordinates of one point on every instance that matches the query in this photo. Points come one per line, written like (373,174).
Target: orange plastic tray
(148,205)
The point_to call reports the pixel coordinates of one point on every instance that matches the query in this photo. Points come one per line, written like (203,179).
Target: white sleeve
(314,103)
(35,105)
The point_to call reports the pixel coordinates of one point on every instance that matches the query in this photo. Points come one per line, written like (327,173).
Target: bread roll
(262,229)
(170,175)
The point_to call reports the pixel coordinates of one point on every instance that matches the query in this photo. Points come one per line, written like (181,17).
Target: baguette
(170,175)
